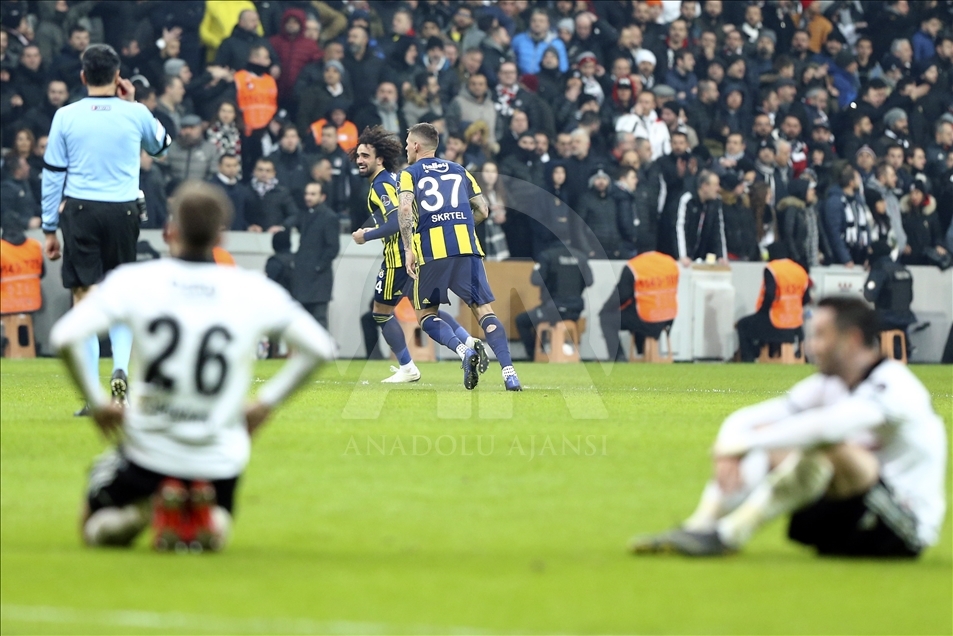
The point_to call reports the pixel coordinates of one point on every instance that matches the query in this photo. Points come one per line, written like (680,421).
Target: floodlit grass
(514,520)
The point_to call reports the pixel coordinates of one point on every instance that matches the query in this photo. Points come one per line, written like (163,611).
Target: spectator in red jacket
(295,51)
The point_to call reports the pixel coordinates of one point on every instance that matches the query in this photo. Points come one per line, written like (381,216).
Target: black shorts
(870,525)
(97,237)
(114,481)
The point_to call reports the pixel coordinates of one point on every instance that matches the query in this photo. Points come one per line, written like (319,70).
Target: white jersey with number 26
(195,329)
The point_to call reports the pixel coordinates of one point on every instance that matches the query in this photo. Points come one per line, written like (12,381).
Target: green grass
(329,540)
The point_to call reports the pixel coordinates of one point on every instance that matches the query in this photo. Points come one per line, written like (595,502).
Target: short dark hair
(281,242)
(265,160)
(143,93)
(679,133)
(386,145)
(200,210)
(540,11)
(781,61)
(285,130)
(846,176)
(257,47)
(625,170)
(76,28)
(227,155)
(881,170)
(588,118)
(317,161)
(681,54)
(427,133)
(853,313)
(100,63)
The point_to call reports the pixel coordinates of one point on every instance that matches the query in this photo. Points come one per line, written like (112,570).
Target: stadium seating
(789,353)
(652,351)
(558,336)
(18,334)
(893,345)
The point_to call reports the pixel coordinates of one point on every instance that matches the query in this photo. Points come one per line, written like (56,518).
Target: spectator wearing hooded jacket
(610,229)
(922,225)
(294,52)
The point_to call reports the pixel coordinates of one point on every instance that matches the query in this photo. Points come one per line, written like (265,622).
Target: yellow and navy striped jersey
(382,206)
(444,219)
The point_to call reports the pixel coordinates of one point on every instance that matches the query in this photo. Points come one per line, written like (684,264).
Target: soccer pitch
(431,509)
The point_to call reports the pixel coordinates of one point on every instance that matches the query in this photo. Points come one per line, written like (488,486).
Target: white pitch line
(165,621)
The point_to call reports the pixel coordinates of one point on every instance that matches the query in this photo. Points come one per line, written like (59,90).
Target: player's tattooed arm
(480,209)
(405,218)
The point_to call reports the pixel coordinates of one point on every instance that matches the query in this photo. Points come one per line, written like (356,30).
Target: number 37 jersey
(442,191)
(195,330)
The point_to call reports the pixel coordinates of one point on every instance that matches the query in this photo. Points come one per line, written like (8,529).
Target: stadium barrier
(711,298)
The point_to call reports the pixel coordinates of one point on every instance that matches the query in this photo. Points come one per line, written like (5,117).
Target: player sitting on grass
(446,202)
(376,156)
(186,436)
(855,452)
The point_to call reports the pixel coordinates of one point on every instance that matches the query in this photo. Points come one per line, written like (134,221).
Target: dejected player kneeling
(440,204)
(185,438)
(855,453)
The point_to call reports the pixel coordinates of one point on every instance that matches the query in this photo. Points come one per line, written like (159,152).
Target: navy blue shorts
(465,276)
(392,285)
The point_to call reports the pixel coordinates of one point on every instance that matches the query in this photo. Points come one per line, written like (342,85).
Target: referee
(90,187)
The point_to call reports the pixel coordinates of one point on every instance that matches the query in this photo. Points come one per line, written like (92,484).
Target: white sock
(471,341)
(797,481)
(462,351)
(410,366)
(715,504)
(221,526)
(115,526)
(708,510)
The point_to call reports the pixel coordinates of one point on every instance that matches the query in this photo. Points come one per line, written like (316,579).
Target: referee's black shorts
(97,237)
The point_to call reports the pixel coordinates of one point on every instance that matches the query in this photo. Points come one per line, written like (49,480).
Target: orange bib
(656,286)
(787,310)
(20,269)
(257,99)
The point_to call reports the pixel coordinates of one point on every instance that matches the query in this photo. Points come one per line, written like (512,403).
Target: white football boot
(406,373)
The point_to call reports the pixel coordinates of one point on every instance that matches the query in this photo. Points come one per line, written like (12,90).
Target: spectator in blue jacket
(530,45)
(924,40)
(682,78)
(845,219)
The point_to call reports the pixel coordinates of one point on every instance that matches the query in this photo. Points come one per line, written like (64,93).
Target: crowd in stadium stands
(697,127)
